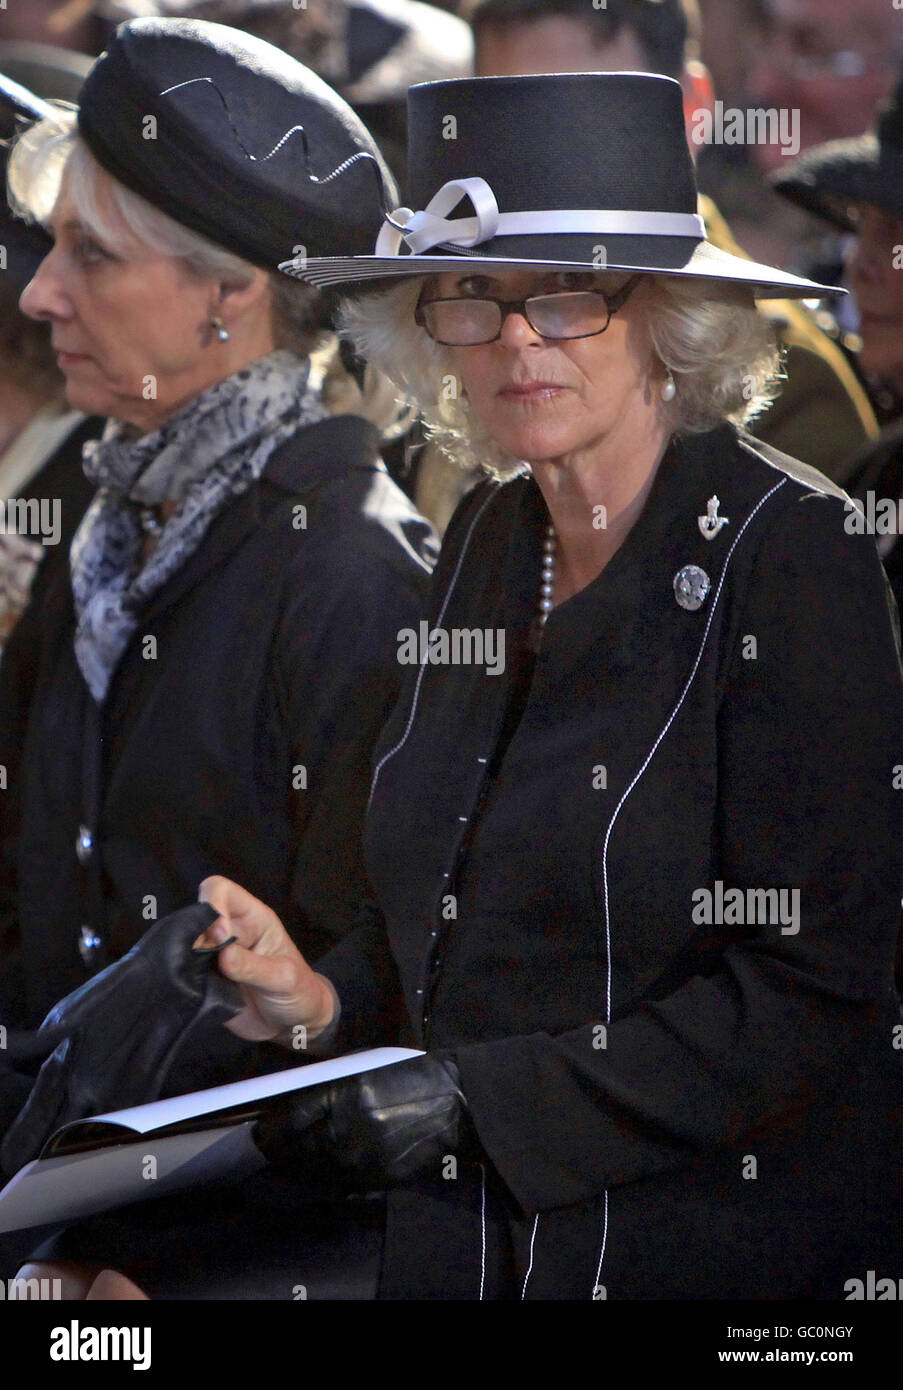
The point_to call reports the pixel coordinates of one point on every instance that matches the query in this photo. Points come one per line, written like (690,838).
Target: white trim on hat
(421,231)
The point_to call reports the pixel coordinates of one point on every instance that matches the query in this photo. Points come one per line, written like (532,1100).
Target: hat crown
(234,138)
(581,140)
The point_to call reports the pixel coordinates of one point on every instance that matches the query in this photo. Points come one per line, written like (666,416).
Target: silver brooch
(691,584)
(711,523)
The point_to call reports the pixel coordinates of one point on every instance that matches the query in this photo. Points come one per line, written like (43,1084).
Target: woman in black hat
(210,682)
(632,833)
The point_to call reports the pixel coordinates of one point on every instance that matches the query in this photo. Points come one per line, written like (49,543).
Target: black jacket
(238,742)
(671,1107)
(879,471)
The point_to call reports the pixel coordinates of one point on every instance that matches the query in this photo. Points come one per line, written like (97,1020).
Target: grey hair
(51,152)
(721,352)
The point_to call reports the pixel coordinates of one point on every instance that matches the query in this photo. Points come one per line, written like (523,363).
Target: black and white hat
(586,171)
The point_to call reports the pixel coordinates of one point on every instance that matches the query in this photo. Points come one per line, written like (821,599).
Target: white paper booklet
(98,1164)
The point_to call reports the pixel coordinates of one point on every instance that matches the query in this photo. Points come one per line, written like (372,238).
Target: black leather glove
(375,1130)
(112,1040)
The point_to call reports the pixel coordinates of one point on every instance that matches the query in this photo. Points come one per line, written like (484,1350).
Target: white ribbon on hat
(421,231)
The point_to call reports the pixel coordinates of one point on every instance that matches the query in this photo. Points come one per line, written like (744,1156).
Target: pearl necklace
(547,580)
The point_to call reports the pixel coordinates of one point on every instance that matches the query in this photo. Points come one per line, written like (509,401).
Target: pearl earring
(222,331)
(669,390)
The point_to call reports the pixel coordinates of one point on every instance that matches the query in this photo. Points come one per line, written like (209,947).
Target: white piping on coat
(670,720)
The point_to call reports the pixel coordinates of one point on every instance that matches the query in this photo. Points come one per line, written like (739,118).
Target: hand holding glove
(113,1039)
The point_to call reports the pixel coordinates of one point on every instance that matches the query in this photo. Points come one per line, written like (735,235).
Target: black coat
(62,479)
(670,1107)
(879,470)
(241,747)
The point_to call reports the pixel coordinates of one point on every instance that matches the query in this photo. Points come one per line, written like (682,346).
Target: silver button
(691,585)
(89,943)
(84,844)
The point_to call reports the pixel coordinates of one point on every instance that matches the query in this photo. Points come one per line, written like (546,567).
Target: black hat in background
(31,75)
(583,171)
(868,168)
(233,139)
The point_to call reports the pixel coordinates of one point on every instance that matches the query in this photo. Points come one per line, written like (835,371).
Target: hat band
(421,231)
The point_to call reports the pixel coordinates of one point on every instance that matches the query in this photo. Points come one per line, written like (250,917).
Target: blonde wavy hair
(722,354)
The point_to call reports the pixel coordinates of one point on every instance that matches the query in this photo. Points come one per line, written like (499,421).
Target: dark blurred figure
(856,186)
(830,62)
(40,436)
(833,60)
(62,23)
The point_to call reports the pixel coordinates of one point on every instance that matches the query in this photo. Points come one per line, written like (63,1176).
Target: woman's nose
(516,331)
(44,297)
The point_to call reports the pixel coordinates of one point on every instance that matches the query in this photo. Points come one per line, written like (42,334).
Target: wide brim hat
(868,168)
(584,171)
(234,139)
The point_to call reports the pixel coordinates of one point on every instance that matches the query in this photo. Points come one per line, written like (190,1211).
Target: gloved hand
(116,1035)
(375,1130)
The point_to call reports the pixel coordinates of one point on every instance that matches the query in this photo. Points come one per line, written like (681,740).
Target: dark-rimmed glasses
(462,321)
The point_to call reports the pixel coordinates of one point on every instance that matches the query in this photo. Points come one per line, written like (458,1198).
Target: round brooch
(691,585)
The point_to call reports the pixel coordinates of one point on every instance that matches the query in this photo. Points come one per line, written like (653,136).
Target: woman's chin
(81,396)
(533,446)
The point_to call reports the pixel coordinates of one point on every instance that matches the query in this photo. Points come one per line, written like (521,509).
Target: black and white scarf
(208,453)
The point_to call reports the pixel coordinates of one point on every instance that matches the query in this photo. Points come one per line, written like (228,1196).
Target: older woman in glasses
(635,885)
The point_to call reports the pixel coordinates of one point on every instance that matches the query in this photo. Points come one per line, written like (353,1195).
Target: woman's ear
(239,296)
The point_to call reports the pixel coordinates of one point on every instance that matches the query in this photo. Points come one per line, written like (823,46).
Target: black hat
(234,139)
(866,169)
(588,171)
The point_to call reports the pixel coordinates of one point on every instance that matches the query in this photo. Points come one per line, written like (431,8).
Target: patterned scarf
(208,453)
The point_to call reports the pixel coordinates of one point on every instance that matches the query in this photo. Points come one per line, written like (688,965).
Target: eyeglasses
(466,322)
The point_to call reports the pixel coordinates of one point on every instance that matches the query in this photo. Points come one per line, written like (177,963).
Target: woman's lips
(531,391)
(69,359)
